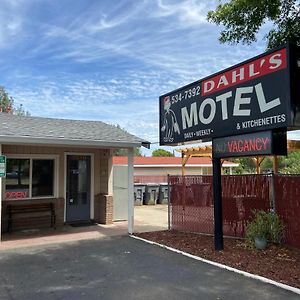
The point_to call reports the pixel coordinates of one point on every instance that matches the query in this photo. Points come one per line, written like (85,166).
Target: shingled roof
(36,130)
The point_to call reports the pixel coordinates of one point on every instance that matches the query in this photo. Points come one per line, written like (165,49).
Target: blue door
(78,197)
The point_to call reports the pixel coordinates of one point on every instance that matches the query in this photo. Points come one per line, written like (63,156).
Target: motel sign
(256,95)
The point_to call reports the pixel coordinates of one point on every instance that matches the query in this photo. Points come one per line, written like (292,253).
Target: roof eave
(68,142)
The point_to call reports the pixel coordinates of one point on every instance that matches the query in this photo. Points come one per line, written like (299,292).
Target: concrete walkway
(150,218)
(147,218)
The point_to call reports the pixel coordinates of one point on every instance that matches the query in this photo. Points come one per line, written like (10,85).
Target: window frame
(32,157)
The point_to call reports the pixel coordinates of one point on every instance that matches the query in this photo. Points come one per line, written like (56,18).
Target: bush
(277,228)
(265,225)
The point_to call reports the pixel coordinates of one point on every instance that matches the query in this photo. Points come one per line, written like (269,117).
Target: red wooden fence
(191,200)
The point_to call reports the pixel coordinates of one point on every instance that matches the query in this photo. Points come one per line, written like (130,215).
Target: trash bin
(151,194)
(139,194)
(163,193)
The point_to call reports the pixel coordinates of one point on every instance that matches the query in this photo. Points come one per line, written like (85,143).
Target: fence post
(273,193)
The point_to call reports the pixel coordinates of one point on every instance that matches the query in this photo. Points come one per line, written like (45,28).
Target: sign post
(217,194)
(245,110)
(3,172)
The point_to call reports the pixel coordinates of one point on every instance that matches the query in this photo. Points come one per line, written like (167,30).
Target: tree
(123,152)
(162,152)
(246,165)
(267,164)
(7,103)
(291,164)
(243,18)
(286,165)
(20,111)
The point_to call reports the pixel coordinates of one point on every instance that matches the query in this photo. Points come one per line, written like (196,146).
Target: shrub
(265,225)
(277,228)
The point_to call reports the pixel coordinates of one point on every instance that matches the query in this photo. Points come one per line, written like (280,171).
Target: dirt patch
(278,263)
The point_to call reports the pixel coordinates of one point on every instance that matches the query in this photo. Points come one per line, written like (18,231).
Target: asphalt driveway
(120,267)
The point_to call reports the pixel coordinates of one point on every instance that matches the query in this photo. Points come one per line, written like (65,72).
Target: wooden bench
(31,211)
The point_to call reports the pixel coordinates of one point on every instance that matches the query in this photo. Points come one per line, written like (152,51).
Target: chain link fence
(287,205)
(191,203)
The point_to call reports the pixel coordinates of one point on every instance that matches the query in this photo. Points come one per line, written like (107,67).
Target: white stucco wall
(159,171)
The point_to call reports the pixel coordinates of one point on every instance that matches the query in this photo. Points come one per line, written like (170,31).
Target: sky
(109,60)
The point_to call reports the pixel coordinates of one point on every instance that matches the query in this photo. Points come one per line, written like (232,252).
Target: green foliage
(264,225)
(287,25)
(243,18)
(258,227)
(291,164)
(286,165)
(7,103)
(123,152)
(246,166)
(267,164)
(162,152)
(276,233)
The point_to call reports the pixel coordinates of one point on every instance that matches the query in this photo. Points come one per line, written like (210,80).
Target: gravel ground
(278,263)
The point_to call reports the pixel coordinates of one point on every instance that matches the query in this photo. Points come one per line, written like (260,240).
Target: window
(28,178)
(17,178)
(42,177)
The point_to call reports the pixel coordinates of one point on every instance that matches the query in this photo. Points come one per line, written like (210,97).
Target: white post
(130,192)
(110,174)
(0,198)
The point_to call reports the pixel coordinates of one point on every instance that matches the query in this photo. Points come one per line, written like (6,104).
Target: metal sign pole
(169,204)
(217,189)
(1,197)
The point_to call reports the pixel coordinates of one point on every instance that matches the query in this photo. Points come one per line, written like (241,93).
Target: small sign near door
(2,166)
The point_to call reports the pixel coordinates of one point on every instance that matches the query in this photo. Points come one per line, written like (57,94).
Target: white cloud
(109,62)
(123,102)
(11,22)
(188,13)
(154,34)
(116,16)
